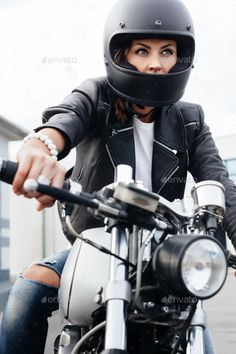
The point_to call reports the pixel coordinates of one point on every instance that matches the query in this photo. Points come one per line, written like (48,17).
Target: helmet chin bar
(128,105)
(147,89)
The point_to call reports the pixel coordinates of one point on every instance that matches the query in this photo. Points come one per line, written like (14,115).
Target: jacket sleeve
(206,164)
(75,116)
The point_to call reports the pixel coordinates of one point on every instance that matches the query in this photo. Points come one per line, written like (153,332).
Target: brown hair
(120,113)
(119,103)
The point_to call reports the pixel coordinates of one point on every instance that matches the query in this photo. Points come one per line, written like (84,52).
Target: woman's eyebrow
(143,45)
(167,45)
(148,47)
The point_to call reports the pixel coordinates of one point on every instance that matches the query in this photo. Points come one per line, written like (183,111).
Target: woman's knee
(41,274)
(30,302)
(29,305)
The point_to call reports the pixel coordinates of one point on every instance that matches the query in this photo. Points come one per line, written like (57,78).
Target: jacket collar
(169,141)
(169,127)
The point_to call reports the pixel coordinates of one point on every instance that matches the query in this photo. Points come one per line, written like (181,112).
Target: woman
(132,116)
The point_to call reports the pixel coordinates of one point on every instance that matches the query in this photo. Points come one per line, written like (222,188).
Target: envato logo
(59,60)
(49,300)
(185,61)
(176,180)
(185,300)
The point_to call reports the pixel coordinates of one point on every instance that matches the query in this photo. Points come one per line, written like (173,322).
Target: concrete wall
(4,218)
(33,235)
(8,131)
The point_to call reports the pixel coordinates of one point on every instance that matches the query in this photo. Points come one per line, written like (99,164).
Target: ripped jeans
(24,324)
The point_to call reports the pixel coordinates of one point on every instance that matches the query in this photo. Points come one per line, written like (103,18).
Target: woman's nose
(155,64)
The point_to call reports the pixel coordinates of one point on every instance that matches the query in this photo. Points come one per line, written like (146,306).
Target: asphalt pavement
(221,315)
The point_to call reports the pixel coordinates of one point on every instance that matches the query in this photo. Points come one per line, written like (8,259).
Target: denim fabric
(55,262)
(24,323)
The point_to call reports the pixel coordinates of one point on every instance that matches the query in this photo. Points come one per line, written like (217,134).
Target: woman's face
(152,56)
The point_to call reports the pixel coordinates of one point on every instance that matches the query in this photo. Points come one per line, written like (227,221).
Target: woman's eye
(168,52)
(141,51)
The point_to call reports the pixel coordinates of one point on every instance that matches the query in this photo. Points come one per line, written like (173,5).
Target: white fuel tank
(86,270)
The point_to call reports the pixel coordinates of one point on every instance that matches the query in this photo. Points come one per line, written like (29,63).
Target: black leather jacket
(182,142)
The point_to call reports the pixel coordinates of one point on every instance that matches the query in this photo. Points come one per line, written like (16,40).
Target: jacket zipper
(116,131)
(113,133)
(174,151)
(187,156)
(168,177)
(80,174)
(109,154)
(191,123)
(187,125)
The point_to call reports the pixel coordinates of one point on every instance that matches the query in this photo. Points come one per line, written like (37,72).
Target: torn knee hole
(42,275)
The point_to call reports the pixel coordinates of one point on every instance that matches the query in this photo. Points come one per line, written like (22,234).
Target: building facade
(8,132)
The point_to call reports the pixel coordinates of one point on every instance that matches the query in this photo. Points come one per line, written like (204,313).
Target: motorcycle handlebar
(62,194)
(7,170)
(70,192)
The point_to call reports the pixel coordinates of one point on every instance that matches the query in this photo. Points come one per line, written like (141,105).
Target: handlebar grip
(8,170)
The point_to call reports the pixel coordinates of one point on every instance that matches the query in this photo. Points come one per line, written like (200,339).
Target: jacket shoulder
(193,117)
(94,88)
(191,112)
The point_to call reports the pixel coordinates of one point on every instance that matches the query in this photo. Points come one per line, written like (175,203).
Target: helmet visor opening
(121,42)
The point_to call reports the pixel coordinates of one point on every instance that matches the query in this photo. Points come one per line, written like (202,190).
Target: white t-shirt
(143,142)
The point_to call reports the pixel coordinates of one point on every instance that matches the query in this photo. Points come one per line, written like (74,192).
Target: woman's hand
(34,161)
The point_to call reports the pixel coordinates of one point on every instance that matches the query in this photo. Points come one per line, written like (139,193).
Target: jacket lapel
(169,143)
(120,144)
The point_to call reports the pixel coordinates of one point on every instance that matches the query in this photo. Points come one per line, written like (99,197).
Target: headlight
(191,265)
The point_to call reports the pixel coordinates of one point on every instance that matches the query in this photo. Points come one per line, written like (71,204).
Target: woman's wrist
(55,135)
(48,142)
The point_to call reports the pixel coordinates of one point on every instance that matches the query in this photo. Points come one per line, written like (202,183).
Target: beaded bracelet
(46,140)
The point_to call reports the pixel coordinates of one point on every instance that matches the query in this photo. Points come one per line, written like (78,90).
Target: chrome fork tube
(118,289)
(196,338)
(117,292)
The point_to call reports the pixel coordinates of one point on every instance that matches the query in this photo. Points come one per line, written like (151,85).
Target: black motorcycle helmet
(136,19)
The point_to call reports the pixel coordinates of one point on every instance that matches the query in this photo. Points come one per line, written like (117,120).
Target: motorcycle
(138,284)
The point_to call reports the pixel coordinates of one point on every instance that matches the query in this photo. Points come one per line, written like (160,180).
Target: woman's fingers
(56,179)
(41,206)
(21,175)
(37,164)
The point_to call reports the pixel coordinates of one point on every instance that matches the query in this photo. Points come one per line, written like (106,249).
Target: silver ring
(44,180)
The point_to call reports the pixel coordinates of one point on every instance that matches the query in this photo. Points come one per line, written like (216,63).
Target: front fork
(196,332)
(117,294)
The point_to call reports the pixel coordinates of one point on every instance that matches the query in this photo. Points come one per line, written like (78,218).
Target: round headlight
(203,268)
(194,265)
